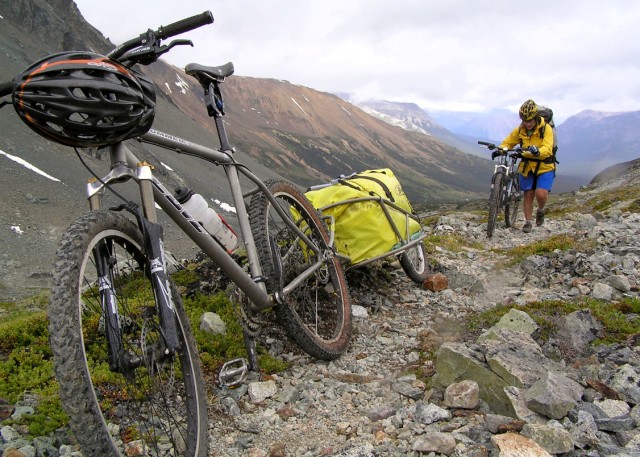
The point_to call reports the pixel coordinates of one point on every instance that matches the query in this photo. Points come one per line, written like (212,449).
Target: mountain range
(589,141)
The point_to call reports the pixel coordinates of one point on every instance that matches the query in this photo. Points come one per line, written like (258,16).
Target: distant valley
(589,141)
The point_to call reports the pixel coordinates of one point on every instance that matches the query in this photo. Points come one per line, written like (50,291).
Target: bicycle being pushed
(123,350)
(505,194)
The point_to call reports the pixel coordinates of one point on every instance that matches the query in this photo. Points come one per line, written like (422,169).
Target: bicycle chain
(242,307)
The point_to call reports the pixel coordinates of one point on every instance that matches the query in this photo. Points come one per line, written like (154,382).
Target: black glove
(534,151)
(491,147)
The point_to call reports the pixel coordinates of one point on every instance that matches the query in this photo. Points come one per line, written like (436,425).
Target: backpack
(547,114)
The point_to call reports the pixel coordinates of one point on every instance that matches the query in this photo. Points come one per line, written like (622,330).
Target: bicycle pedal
(234,372)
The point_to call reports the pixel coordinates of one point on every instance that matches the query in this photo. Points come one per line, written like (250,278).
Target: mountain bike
(505,192)
(123,350)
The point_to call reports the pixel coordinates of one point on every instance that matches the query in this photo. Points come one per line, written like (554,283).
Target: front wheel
(414,263)
(316,314)
(142,398)
(495,197)
(512,201)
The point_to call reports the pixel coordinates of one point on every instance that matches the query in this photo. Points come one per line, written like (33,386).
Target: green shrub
(560,242)
(454,242)
(620,319)
(216,349)
(26,365)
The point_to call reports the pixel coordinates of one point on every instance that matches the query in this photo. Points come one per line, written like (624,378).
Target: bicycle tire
(414,263)
(160,404)
(317,314)
(495,197)
(512,201)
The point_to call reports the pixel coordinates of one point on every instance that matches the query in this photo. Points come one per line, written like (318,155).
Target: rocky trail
(414,382)
(374,400)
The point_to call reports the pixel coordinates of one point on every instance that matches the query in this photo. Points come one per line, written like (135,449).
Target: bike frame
(507,167)
(125,165)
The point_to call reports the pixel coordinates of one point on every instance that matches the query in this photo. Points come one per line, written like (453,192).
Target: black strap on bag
(384,187)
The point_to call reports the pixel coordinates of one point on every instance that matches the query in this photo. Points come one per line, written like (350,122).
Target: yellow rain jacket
(546,160)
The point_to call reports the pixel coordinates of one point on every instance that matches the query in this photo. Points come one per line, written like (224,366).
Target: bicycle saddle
(205,74)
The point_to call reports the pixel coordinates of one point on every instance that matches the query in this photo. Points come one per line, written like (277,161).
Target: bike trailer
(371,213)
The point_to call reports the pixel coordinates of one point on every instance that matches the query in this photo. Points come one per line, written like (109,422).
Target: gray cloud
(459,54)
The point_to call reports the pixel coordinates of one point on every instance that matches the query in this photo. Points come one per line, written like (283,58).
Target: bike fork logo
(156,265)
(104,285)
(163,288)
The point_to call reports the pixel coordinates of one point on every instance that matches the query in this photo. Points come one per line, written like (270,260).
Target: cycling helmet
(528,110)
(83,99)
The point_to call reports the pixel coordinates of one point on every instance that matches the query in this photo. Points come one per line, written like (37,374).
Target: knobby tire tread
(298,331)
(70,365)
(512,202)
(494,203)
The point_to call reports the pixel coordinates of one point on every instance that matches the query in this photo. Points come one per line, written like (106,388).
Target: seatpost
(215,108)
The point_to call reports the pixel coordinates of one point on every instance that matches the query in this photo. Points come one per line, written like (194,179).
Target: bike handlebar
(185,25)
(492,146)
(514,153)
(164,31)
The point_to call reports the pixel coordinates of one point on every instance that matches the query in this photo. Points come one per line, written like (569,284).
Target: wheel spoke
(316,313)
(141,395)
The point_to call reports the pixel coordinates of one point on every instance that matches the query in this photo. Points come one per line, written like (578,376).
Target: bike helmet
(528,110)
(83,99)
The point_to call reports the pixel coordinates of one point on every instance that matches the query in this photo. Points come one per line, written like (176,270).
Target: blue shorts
(545,181)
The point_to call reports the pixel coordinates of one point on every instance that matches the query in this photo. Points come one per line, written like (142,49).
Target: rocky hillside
(410,116)
(508,389)
(418,379)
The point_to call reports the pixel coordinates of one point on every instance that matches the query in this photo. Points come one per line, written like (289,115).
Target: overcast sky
(469,55)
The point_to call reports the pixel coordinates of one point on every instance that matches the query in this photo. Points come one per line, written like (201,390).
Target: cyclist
(537,168)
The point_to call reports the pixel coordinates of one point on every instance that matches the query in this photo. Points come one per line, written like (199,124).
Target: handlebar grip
(484,143)
(6,88)
(185,25)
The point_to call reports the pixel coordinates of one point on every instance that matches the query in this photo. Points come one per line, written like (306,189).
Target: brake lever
(159,50)
(178,43)
(149,54)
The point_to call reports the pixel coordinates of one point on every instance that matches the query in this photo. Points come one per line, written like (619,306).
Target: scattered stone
(553,438)
(436,282)
(517,321)
(553,395)
(212,323)
(465,394)
(512,444)
(442,443)
(260,391)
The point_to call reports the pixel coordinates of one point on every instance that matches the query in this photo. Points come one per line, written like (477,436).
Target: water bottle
(197,207)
